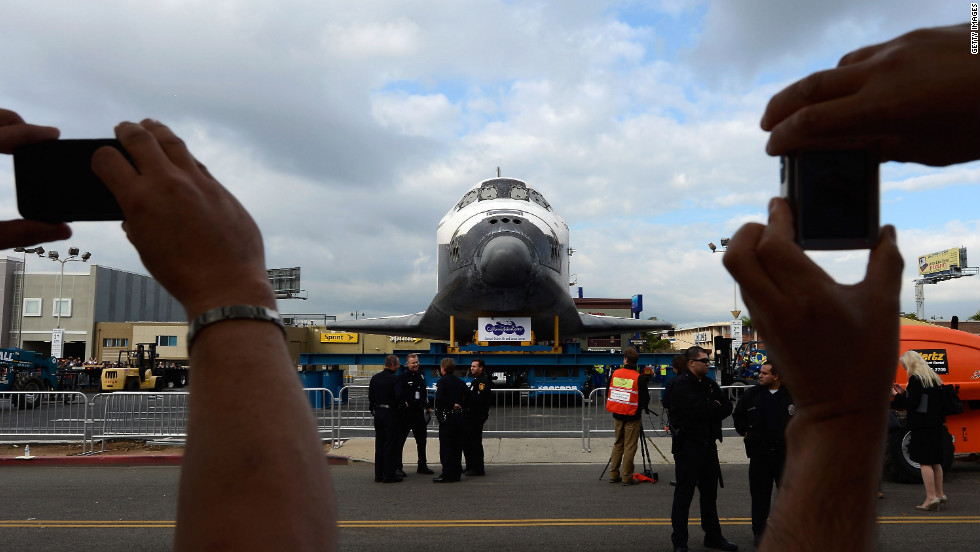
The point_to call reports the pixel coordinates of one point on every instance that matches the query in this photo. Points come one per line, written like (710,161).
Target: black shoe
(401,473)
(425,470)
(474,472)
(682,548)
(721,543)
(443,479)
(395,479)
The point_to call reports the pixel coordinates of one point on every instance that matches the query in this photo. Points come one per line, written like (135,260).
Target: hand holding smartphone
(55,182)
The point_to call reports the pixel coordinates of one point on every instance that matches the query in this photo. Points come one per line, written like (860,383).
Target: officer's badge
(791,409)
(483,386)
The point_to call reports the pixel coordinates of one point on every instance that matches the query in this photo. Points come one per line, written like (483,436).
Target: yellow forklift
(134,371)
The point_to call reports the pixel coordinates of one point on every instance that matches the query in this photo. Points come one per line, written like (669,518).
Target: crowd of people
(251,481)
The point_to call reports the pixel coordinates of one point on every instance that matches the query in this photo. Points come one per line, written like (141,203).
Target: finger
(791,271)
(843,123)
(860,55)
(885,264)
(818,87)
(143,148)
(22,233)
(118,174)
(8,117)
(171,144)
(15,132)
(742,261)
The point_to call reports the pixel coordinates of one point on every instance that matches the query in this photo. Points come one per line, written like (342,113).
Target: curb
(146,460)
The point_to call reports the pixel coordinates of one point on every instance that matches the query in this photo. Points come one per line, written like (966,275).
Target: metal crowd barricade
(49,415)
(325,409)
(598,420)
(515,413)
(139,414)
(537,413)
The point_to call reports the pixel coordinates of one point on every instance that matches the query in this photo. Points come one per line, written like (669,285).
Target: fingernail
(889,231)
(772,204)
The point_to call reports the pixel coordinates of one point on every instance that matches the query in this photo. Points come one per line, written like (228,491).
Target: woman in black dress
(922,399)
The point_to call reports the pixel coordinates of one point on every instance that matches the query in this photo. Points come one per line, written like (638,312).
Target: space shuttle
(502,253)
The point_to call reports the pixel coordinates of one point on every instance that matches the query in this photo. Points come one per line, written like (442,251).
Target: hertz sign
(936,359)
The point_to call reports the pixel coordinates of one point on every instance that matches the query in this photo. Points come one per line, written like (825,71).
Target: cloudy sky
(348,128)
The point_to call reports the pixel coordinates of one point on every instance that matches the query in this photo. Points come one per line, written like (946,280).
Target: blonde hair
(918,367)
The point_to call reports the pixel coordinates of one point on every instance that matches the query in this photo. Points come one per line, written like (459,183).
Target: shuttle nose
(505,262)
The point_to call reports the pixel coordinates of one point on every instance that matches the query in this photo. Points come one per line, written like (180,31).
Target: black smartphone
(55,182)
(833,196)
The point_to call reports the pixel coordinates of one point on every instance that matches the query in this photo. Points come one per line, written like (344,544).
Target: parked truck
(22,370)
(955,357)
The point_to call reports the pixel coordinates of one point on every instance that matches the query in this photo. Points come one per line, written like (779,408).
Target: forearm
(272,489)
(826,498)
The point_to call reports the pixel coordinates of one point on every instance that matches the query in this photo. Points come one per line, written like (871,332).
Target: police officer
(383,406)
(413,402)
(761,416)
(697,407)
(450,397)
(476,413)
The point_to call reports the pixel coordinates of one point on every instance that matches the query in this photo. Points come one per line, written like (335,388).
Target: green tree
(975,316)
(913,316)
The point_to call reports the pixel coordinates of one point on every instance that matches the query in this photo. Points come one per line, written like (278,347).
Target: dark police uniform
(413,399)
(450,391)
(383,405)
(761,417)
(476,414)
(697,410)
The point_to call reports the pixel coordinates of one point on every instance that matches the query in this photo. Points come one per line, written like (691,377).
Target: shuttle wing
(408,325)
(592,324)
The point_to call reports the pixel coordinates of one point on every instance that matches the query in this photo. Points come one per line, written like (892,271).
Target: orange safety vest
(624,392)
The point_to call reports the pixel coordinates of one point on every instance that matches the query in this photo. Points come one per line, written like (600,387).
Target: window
(166,341)
(64,305)
(32,306)
(115,342)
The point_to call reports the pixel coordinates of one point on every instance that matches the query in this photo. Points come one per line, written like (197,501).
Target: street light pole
(23,288)
(72,256)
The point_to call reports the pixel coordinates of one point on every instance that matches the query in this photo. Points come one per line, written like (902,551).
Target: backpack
(951,401)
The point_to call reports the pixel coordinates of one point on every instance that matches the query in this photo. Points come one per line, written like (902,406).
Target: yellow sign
(338,337)
(942,261)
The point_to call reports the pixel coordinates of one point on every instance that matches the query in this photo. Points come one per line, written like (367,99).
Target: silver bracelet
(233,312)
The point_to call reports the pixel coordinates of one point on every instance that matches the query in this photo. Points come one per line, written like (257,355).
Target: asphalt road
(515,507)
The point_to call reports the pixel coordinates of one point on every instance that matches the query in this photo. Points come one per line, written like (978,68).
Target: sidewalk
(539,451)
(361,449)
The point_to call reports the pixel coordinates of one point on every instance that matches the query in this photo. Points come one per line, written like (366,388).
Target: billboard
(285,281)
(942,262)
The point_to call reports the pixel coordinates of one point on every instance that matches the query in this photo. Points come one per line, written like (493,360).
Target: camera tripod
(647,474)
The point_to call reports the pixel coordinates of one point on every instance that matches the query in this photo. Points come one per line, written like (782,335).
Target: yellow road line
(422,523)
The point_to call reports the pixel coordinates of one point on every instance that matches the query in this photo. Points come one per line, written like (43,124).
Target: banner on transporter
(504,329)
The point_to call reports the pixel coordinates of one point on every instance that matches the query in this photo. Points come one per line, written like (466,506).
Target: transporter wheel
(899,467)
(158,384)
(28,383)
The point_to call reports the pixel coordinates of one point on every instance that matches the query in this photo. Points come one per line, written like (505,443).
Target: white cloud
(349,128)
